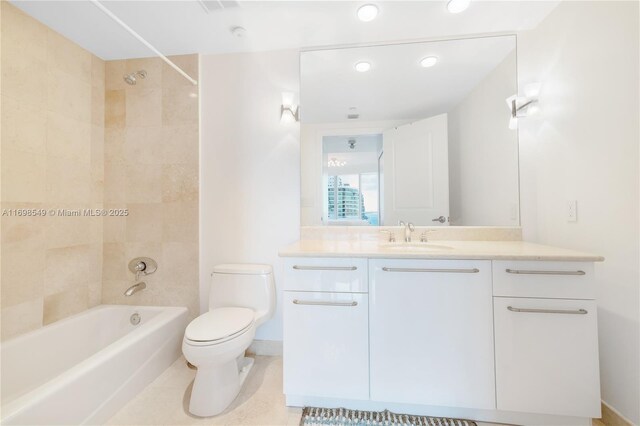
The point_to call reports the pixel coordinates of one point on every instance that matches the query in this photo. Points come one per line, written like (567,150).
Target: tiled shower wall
(56,153)
(151,169)
(52,102)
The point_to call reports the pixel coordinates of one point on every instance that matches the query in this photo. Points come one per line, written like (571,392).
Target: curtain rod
(142,40)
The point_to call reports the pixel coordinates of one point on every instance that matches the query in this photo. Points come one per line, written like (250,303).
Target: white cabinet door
(326,344)
(432,332)
(547,362)
(416,175)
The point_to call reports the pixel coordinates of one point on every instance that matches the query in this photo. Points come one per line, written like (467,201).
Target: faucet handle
(392,236)
(411,227)
(423,236)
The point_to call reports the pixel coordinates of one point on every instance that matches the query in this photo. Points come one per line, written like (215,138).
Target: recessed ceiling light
(368,12)
(457,6)
(239,32)
(429,61)
(363,66)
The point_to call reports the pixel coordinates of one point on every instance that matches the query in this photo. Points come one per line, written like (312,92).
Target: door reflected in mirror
(406,142)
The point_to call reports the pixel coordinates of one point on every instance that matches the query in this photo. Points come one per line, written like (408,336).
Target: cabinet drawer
(326,274)
(556,280)
(326,344)
(547,356)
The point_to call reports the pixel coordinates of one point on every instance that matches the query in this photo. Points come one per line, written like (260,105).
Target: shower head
(134,76)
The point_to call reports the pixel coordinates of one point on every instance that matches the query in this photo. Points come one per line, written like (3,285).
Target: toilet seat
(219,325)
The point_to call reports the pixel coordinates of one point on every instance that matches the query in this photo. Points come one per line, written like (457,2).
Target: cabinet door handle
(525,272)
(325,268)
(455,271)
(323,303)
(549,311)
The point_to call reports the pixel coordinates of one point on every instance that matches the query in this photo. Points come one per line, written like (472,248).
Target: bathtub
(83,369)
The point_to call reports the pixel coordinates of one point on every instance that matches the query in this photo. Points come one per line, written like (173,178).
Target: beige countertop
(485,250)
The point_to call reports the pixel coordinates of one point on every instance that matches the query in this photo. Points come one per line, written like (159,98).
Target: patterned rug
(314,416)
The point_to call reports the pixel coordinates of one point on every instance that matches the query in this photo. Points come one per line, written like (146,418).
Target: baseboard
(266,348)
(612,417)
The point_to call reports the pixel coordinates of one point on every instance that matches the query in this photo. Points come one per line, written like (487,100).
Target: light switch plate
(572,211)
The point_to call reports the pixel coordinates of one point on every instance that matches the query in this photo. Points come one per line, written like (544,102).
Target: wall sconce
(524,106)
(288,109)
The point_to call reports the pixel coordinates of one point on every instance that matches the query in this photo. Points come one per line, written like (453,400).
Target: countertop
(479,250)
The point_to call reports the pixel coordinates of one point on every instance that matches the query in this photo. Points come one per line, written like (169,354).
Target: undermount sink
(415,246)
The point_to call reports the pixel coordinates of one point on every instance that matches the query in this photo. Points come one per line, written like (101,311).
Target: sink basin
(415,246)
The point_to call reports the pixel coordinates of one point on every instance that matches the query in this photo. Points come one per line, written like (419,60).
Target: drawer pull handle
(323,303)
(455,271)
(549,311)
(325,268)
(524,272)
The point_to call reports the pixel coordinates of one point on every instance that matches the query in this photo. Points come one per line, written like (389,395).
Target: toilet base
(215,387)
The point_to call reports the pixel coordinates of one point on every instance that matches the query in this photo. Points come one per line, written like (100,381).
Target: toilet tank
(244,285)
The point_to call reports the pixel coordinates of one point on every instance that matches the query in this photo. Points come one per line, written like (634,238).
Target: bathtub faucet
(135,288)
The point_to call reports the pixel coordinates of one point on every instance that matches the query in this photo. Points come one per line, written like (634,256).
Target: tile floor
(261,402)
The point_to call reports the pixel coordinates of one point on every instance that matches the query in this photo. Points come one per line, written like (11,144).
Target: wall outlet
(572,211)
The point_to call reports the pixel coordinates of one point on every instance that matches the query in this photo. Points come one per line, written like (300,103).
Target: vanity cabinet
(326,328)
(546,338)
(431,332)
(501,341)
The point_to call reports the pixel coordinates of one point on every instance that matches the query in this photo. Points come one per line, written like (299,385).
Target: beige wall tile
(19,319)
(179,182)
(61,305)
(115,262)
(68,138)
(114,144)
(144,106)
(144,223)
(115,180)
(144,183)
(29,231)
(114,227)
(180,144)
(70,267)
(179,105)
(23,126)
(172,78)
(68,95)
(180,264)
(180,221)
(22,33)
(66,56)
(113,72)
(23,176)
(22,274)
(68,181)
(115,108)
(153,67)
(24,76)
(143,145)
(52,157)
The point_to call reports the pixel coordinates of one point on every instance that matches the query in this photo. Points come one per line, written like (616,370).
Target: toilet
(241,298)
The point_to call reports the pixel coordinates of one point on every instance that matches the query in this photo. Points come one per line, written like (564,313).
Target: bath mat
(314,416)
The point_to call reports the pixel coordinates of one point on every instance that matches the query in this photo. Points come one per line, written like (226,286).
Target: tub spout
(135,288)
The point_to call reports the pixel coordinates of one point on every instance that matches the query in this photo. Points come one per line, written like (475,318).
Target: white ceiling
(397,87)
(180,27)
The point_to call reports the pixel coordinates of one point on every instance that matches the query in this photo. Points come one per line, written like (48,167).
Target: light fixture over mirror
(288,109)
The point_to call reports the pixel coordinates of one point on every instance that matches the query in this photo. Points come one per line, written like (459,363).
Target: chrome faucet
(135,288)
(408,229)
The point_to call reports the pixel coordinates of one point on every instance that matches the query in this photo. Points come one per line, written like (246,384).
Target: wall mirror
(417,132)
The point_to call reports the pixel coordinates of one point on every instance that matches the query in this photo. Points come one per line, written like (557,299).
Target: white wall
(584,147)
(483,153)
(249,165)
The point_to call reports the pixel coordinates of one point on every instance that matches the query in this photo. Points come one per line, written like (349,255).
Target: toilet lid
(218,324)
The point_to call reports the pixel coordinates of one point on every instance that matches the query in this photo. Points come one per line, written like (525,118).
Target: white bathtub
(83,369)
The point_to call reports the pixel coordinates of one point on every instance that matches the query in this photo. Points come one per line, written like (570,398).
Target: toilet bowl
(242,297)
